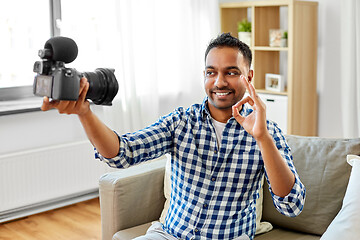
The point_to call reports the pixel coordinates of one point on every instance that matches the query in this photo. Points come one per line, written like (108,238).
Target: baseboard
(22,212)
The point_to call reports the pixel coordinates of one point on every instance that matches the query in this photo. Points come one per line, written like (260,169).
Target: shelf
(296,62)
(264,48)
(264,91)
(256,4)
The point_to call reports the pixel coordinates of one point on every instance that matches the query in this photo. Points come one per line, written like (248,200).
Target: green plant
(285,35)
(244,26)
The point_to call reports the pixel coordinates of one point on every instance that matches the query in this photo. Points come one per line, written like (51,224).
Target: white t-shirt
(219,128)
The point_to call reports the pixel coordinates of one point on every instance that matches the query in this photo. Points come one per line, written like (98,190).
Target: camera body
(58,82)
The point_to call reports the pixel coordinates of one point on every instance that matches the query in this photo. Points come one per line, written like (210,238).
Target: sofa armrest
(130,197)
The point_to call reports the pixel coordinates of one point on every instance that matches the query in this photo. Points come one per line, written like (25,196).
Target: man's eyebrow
(228,68)
(233,67)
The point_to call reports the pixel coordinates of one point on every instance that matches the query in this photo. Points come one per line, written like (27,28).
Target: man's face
(224,66)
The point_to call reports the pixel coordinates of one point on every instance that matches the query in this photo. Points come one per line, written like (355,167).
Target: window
(24,28)
(93,27)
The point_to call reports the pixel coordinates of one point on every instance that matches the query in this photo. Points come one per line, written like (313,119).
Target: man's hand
(254,123)
(79,107)
(280,176)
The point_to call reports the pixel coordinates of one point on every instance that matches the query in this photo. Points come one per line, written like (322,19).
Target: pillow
(319,163)
(347,221)
(167,188)
(261,227)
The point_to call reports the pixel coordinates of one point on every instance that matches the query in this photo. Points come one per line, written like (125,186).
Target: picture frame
(275,36)
(274,82)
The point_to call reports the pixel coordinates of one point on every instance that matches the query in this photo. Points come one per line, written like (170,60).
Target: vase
(245,37)
(283,42)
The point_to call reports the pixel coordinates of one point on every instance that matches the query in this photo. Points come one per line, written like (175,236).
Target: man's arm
(280,176)
(103,138)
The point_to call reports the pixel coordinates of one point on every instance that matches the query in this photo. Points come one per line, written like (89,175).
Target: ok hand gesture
(254,123)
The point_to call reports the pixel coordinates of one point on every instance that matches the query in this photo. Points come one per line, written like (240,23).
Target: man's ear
(250,75)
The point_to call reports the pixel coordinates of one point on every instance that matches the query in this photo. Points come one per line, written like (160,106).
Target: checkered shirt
(214,188)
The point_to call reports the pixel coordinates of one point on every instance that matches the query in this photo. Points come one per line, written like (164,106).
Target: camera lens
(103,86)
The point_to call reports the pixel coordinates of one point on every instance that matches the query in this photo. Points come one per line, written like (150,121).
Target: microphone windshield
(62,48)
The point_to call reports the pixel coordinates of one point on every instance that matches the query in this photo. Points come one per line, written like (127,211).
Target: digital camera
(56,81)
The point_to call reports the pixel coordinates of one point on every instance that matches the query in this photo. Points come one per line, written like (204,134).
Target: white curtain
(161,51)
(350,67)
(155,46)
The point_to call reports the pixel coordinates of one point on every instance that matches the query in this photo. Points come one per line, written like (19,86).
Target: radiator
(47,178)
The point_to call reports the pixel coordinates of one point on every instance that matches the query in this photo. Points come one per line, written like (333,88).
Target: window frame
(18,93)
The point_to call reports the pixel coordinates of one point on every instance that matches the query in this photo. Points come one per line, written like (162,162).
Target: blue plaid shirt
(214,188)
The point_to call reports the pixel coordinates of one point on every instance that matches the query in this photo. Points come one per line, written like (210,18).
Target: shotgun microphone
(61,49)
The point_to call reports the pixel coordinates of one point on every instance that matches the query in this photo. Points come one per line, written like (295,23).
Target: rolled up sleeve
(292,204)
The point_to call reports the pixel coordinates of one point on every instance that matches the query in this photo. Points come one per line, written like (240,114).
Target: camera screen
(43,85)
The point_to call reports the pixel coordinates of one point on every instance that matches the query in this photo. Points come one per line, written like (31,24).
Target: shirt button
(213,179)
(196,230)
(215,151)
(205,205)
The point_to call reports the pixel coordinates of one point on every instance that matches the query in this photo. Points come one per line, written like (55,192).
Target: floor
(75,222)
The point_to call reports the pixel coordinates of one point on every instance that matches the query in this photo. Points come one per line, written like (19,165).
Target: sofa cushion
(130,197)
(283,234)
(261,226)
(346,223)
(322,167)
(132,233)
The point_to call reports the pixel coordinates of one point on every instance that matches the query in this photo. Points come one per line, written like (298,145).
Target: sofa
(131,199)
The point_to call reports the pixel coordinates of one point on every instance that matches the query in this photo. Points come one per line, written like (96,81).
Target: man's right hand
(80,107)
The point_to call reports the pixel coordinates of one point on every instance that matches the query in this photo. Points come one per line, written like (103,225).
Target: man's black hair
(226,40)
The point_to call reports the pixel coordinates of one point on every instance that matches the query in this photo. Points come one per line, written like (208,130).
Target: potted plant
(284,37)
(244,31)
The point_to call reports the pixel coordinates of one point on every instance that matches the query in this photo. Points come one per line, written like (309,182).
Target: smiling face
(224,66)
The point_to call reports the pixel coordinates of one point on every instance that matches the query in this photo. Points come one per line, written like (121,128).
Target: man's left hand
(254,123)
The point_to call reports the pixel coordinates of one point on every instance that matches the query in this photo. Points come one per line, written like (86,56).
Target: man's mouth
(220,94)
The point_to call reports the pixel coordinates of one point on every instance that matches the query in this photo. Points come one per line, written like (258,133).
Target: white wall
(26,131)
(329,74)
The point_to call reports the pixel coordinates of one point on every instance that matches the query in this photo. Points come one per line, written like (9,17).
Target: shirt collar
(204,108)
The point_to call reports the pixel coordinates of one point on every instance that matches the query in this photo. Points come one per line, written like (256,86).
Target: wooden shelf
(300,55)
(264,91)
(265,48)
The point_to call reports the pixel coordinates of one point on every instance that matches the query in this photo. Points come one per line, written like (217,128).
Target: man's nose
(220,81)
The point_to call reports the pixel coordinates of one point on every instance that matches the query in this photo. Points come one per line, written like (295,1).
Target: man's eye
(233,73)
(209,73)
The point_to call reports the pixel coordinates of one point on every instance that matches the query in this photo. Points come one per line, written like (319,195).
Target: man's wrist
(85,115)
(265,139)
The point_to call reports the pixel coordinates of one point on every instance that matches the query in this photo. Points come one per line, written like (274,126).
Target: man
(220,150)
